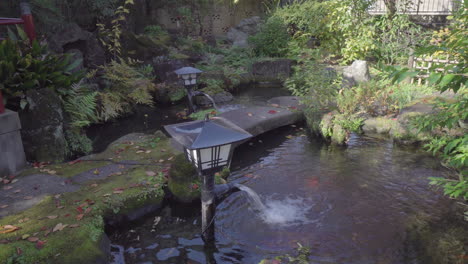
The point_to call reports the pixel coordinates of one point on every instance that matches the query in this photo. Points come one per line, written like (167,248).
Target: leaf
(7,188)
(79,217)
(118,192)
(40,244)
(25,236)
(4,206)
(28,198)
(249,114)
(434,78)
(446,80)
(74,65)
(150,173)
(23,103)
(96,172)
(74,226)
(272,112)
(33,239)
(19,251)
(59,227)
(52,216)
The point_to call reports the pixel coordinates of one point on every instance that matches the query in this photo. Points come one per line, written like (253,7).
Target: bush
(272,40)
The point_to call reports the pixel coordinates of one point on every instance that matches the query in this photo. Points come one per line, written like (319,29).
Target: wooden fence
(417,7)
(424,64)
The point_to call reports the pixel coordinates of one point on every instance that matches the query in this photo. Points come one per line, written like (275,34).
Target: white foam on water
(288,211)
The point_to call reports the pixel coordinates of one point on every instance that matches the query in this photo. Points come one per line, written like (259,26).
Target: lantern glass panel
(187,82)
(215,157)
(185,76)
(193,81)
(193,75)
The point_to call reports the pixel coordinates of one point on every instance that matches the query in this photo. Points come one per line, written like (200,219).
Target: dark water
(348,205)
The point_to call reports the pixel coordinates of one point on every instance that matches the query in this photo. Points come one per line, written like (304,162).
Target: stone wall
(216,16)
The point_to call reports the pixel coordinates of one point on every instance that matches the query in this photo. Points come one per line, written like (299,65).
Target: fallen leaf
(121,167)
(79,217)
(17,191)
(40,244)
(4,206)
(88,210)
(161,160)
(140,151)
(60,207)
(66,215)
(289,136)
(25,236)
(151,173)
(7,188)
(4,241)
(249,114)
(169,159)
(272,112)
(96,172)
(33,239)
(275,105)
(8,229)
(52,216)
(118,192)
(94,185)
(57,196)
(148,151)
(80,209)
(46,233)
(74,226)
(195,186)
(59,227)
(106,195)
(28,197)
(44,228)
(19,251)
(74,162)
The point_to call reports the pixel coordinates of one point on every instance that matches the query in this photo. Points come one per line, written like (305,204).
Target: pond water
(349,205)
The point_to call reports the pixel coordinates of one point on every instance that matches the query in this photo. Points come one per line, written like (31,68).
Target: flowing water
(349,205)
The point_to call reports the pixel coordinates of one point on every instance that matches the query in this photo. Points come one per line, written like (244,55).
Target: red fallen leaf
(44,228)
(292,107)
(118,189)
(118,192)
(88,210)
(19,251)
(314,182)
(90,202)
(46,233)
(79,209)
(74,162)
(195,186)
(40,244)
(67,215)
(83,204)
(272,112)
(249,175)
(5,181)
(79,217)
(6,188)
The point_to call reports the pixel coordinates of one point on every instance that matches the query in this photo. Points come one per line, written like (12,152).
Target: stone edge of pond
(95,246)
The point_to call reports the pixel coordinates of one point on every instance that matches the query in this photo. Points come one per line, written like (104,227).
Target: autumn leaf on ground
(118,192)
(96,172)
(74,162)
(150,173)
(8,229)
(272,112)
(33,239)
(79,217)
(289,136)
(25,236)
(74,226)
(7,188)
(88,210)
(4,241)
(59,227)
(4,206)
(169,159)
(52,216)
(94,185)
(19,251)
(275,105)
(17,191)
(80,209)
(249,114)
(28,197)
(40,244)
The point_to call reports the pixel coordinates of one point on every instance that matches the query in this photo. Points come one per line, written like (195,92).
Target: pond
(349,205)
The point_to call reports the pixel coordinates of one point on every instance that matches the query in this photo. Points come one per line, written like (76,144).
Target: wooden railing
(417,7)
(424,64)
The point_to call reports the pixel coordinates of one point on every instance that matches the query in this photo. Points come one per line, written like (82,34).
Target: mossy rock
(339,135)
(183,181)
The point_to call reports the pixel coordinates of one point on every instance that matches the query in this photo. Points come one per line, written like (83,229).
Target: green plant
(272,39)
(200,115)
(127,85)
(155,31)
(110,35)
(213,86)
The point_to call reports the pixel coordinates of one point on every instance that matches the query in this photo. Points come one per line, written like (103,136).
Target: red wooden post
(2,106)
(28,20)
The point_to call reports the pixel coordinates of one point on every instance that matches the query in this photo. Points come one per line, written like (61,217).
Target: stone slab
(9,121)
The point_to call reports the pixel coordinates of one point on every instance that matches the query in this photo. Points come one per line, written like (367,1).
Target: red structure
(28,23)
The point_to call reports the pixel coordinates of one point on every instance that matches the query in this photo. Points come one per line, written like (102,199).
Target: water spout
(253,197)
(207,96)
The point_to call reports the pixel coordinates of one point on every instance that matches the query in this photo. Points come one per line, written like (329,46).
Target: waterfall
(253,196)
(210,98)
(286,212)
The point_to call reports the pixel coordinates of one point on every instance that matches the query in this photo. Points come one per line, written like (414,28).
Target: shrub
(272,40)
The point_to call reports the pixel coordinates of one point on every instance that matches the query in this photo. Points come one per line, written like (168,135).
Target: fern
(81,105)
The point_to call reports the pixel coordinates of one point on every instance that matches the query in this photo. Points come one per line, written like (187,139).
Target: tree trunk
(391,7)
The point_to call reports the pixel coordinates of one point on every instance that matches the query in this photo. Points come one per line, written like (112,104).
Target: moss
(380,125)
(119,194)
(339,135)
(183,182)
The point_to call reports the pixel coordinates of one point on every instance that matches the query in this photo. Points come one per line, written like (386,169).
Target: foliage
(110,35)
(200,115)
(379,97)
(302,256)
(126,85)
(24,67)
(272,39)
(213,86)
(155,31)
(317,84)
(77,142)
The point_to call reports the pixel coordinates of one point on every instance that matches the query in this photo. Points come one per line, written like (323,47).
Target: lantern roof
(206,134)
(187,70)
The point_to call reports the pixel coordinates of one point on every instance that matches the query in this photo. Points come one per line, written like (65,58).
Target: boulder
(239,34)
(183,182)
(42,122)
(356,73)
(219,98)
(272,70)
(71,36)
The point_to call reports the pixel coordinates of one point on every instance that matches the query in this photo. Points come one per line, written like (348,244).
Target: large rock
(239,34)
(219,98)
(356,73)
(71,36)
(272,70)
(42,123)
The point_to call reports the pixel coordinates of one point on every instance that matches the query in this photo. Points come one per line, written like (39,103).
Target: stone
(219,98)
(71,36)
(181,180)
(272,70)
(42,121)
(239,34)
(356,73)
(12,157)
